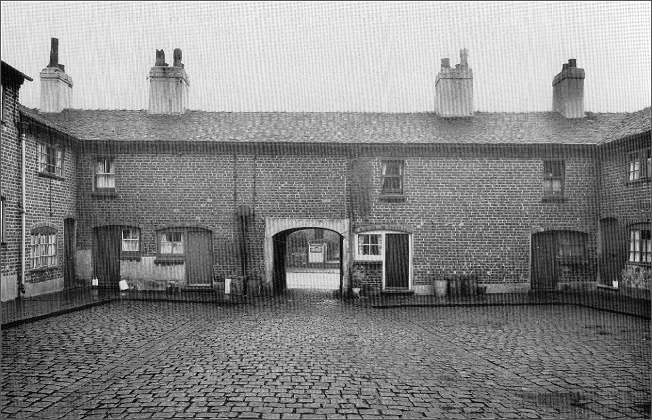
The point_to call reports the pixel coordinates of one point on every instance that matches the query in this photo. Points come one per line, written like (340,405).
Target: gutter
(22,125)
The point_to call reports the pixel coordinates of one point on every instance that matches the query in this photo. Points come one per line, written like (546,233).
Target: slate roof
(334,127)
(634,123)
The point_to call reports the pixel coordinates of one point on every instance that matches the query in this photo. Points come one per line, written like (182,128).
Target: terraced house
(388,201)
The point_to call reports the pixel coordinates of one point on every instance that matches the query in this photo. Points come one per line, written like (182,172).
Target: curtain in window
(104,174)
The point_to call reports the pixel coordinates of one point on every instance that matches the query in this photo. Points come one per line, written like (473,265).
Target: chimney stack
(168,86)
(568,91)
(454,88)
(56,85)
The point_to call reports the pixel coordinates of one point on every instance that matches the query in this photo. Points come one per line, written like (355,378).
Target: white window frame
(110,175)
(43,250)
(160,236)
(381,257)
(639,247)
(44,165)
(130,240)
(370,257)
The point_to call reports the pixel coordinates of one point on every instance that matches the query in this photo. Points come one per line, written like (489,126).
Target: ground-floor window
(43,250)
(640,245)
(171,243)
(369,245)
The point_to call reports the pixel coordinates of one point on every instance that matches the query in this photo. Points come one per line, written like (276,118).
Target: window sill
(104,193)
(554,199)
(51,176)
(365,261)
(638,264)
(641,181)
(43,269)
(169,260)
(129,257)
(392,197)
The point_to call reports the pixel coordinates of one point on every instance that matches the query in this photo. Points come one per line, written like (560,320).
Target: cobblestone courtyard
(320,358)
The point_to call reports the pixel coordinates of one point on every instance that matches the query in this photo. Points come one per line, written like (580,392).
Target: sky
(364,57)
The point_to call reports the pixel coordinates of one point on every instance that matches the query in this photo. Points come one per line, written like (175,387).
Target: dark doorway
(199,257)
(397,261)
(613,252)
(106,255)
(280,245)
(544,271)
(69,253)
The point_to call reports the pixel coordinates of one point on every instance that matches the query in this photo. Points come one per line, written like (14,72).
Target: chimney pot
(572,62)
(177,58)
(54,52)
(445,63)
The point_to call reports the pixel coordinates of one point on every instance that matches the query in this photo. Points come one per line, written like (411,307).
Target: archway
(277,232)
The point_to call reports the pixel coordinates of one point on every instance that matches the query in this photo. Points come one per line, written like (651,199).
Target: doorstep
(397,292)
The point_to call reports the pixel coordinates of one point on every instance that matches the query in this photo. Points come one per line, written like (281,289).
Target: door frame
(384,242)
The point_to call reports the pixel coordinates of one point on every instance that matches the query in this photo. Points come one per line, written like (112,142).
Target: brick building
(519,200)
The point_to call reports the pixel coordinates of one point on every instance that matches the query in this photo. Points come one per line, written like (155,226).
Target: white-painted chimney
(568,91)
(454,88)
(168,86)
(56,85)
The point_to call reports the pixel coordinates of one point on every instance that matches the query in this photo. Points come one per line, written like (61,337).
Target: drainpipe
(22,127)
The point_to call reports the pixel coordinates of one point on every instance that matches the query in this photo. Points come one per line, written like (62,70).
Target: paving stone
(326,359)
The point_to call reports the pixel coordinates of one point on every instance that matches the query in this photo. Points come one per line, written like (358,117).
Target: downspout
(21,285)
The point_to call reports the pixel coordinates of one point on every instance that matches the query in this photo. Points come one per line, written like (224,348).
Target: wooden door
(544,270)
(280,247)
(106,256)
(613,252)
(397,261)
(69,253)
(199,257)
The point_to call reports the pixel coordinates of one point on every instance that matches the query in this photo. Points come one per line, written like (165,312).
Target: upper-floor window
(640,245)
(50,159)
(104,174)
(392,176)
(553,178)
(43,247)
(640,165)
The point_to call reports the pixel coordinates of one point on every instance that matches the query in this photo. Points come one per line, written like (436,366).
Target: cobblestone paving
(318,358)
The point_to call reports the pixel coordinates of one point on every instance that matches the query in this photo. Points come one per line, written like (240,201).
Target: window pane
(556,186)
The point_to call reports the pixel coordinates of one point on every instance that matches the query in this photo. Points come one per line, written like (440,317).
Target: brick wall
(469,212)
(10,190)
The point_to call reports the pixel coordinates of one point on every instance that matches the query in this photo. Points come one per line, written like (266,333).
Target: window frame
(643,159)
(96,161)
(130,254)
(3,220)
(44,167)
(638,246)
(549,176)
(369,257)
(37,259)
(171,256)
(385,164)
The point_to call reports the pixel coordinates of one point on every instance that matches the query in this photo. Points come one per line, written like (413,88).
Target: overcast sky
(335,56)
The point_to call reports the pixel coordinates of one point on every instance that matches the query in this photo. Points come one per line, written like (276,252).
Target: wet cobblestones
(319,358)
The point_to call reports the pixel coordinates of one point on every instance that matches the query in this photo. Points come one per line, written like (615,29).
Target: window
(640,245)
(104,174)
(2,219)
(50,160)
(171,243)
(43,250)
(392,177)
(130,240)
(369,246)
(553,178)
(640,165)
(571,244)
